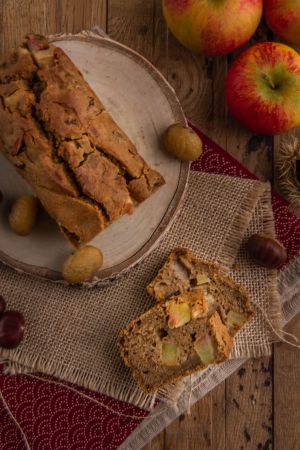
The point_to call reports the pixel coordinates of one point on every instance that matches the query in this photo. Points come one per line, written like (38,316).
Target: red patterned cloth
(56,418)
(216,160)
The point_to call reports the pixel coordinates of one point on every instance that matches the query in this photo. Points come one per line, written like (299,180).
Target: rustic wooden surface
(259,406)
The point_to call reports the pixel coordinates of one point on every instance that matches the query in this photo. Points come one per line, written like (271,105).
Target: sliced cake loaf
(198,312)
(56,132)
(172,340)
(183,273)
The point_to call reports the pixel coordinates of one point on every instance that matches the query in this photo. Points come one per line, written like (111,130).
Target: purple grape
(2,305)
(11,329)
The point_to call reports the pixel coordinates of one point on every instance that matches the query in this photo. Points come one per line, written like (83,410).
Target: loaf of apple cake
(198,313)
(58,135)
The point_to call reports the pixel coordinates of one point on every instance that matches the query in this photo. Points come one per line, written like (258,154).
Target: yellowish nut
(82,265)
(23,214)
(182,142)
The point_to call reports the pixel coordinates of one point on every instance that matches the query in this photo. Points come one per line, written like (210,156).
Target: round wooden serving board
(144,105)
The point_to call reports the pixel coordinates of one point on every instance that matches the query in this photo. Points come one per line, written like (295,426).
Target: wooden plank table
(259,406)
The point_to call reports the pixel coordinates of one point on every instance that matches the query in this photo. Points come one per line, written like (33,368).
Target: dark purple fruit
(11,329)
(2,305)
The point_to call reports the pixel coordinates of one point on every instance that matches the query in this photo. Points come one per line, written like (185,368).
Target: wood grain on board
(258,407)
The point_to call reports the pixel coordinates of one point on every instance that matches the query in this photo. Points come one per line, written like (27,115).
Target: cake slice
(170,341)
(197,314)
(184,273)
(58,135)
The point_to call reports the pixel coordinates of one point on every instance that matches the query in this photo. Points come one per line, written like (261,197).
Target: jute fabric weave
(71,332)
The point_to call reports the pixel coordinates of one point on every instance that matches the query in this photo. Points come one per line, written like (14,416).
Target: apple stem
(269,80)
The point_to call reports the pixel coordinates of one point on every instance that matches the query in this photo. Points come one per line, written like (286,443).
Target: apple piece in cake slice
(184,273)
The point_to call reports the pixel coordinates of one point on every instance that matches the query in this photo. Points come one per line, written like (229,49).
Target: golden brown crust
(57,134)
(221,336)
(65,211)
(142,187)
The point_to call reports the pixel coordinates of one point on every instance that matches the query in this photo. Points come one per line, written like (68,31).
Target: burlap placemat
(255,338)
(71,333)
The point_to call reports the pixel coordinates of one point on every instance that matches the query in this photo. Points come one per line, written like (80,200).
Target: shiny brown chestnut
(268,252)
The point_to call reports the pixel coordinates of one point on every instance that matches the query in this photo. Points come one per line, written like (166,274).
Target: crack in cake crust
(60,138)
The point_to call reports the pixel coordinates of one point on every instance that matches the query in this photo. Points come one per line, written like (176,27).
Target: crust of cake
(224,317)
(181,252)
(60,138)
(215,272)
(217,330)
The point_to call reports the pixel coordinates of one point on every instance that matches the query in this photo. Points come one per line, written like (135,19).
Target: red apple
(262,88)
(213,27)
(283,17)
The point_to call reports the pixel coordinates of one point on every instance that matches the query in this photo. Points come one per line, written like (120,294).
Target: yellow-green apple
(283,17)
(262,88)
(213,27)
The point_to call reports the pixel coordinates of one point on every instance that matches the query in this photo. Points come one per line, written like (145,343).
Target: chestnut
(11,329)
(182,142)
(268,252)
(2,305)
